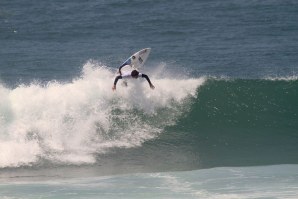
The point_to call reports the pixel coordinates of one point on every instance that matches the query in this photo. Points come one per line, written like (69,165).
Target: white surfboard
(137,60)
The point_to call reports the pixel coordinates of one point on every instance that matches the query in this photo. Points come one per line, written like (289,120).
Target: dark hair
(134,73)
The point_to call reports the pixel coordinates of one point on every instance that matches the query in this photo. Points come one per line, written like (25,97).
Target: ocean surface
(222,121)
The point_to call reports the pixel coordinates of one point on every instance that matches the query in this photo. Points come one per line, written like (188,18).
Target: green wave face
(241,122)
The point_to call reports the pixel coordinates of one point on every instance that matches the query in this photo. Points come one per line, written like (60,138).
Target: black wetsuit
(129,76)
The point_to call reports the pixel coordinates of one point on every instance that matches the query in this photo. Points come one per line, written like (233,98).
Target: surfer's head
(135,74)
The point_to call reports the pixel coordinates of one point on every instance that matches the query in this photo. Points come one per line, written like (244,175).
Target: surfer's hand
(151,86)
(114,88)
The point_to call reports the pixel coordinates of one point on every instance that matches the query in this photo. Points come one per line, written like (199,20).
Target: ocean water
(222,121)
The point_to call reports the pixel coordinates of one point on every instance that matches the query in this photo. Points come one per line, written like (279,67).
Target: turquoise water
(222,182)
(221,123)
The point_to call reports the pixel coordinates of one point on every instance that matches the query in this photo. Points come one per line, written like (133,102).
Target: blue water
(221,123)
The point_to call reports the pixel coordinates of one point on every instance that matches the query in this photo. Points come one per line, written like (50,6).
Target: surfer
(134,62)
(134,74)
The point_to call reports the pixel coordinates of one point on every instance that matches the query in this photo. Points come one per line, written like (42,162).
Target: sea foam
(69,123)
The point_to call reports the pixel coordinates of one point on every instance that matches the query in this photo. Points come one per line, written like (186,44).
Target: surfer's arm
(119,70)
(115,81)
(148,80)
(124,64)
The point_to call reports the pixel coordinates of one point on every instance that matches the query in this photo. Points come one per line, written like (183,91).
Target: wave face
(248,104)
(241,122)
(71,123)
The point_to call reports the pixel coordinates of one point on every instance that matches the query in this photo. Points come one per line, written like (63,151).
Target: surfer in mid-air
(133,74)
(134,62)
